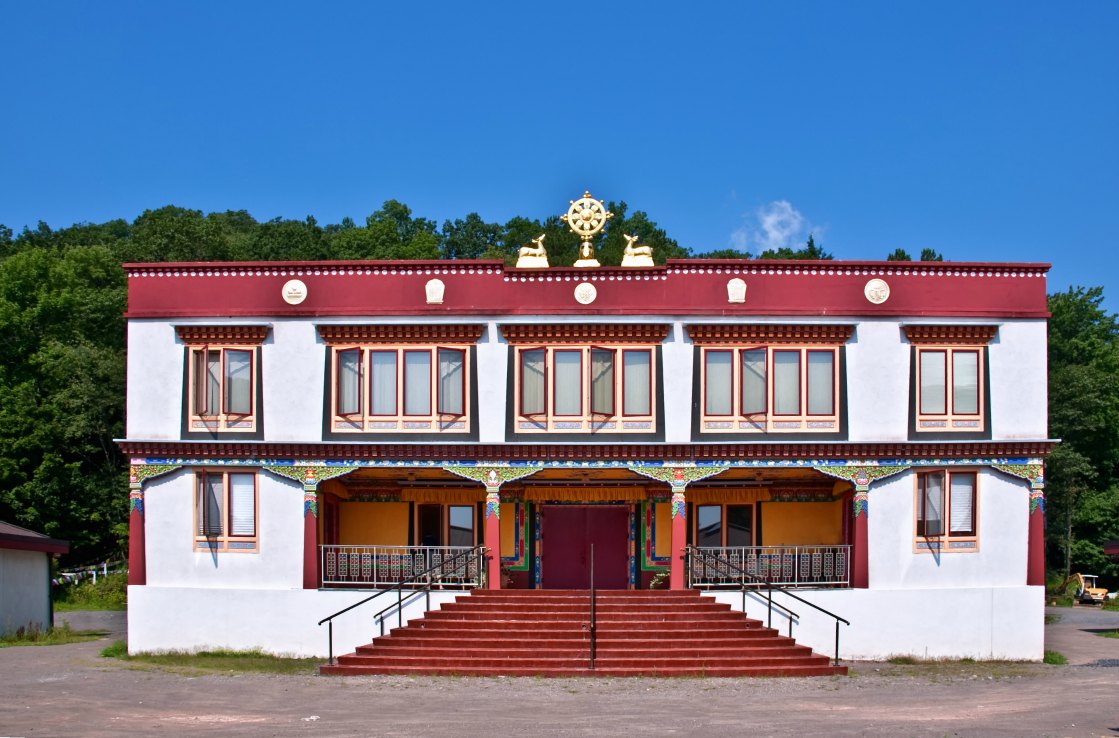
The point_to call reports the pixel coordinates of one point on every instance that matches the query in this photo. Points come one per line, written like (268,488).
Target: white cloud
(773,226)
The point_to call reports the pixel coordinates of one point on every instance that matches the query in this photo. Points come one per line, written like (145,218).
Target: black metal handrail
(594,617)
(690,551)
(479,551)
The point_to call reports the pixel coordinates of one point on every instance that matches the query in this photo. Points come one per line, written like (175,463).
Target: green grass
(1052,657)
(1111,605)
(902,660)
(48,637)
(1109,633)
(220,661)
(1051,619)
(109,593)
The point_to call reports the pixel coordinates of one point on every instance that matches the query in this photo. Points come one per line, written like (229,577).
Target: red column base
(137,560)
(860,575)
(1035,563)
(310,550)
(493,540)
(676,572)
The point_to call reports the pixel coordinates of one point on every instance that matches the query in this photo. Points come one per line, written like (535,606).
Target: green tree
(810,252)
(899,255)
(931,255)
(469,238)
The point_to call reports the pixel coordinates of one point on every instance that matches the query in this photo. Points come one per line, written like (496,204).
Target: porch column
(1033,471)
(137,559)
(677,577)
(492,536)
(139,472)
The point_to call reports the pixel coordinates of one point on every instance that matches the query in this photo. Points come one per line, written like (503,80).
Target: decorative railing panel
(786,566)
(375,566)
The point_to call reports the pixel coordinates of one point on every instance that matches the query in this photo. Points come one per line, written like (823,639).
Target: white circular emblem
(294,291)
(877,291)
(585,293)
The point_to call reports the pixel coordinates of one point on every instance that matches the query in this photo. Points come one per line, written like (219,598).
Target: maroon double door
(569,531)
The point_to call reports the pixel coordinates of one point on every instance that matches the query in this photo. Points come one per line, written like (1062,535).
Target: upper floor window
(782,379)
(396,383)
(223,376)
(950,385)
(585,378)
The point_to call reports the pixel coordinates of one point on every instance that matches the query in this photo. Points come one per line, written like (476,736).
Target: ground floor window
(225,511)
(718,526)
(946,511)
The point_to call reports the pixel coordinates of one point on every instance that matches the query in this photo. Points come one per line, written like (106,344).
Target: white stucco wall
(1005,623)
(493,362)
(877,382)
(294,378)
(24,590)
(155,381)
(169,537)
(1019,381)
(1003,517)
(277,621)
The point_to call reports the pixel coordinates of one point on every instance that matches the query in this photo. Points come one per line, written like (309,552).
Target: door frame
(538,527)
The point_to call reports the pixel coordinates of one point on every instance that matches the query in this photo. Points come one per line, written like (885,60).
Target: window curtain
(210,505)
(636,380)
(821,382)
(213,383)
(382,382)
(532,382)
(349,382)
(718,378)
(417,383)
(602,382)
(930,515)
(961,513)
(786,382)
(460,527)
(965,382)
(932,383)
(569,380)
(753,382)
(451,381)
(242,505)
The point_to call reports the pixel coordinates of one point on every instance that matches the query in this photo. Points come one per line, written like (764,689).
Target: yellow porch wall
(508,528)
(662,514)
(802,523)
(373,523)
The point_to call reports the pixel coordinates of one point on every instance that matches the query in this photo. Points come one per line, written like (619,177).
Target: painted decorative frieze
(1034,473)
(862,477)
(492,476)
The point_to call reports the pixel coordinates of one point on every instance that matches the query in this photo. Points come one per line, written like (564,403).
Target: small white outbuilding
(25,591)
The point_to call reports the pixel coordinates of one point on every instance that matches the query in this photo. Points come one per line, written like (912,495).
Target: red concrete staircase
(546,633)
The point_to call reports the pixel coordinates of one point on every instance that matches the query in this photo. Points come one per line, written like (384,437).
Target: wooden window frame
(587,421)
(225,541)
(197,389)
(951,421)
(400,422)
(946,541)
(724,527)
(769,421)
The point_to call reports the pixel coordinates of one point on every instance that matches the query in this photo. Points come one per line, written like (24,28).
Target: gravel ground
(71,691)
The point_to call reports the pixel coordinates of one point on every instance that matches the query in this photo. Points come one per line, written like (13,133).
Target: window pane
(238,382)
(932,383)
(965,382)
(213,383)
(382,383)
(210,505)
(717,378)
(349,382)
(930,510)
(786,382)
(569,381)
(461,526)
(740,524)
(821,382)
(961,515)
(753,382)
(532,382)
(417,383)
(451,373)
(637,373)
(709,525)
(602,382)
(242,505)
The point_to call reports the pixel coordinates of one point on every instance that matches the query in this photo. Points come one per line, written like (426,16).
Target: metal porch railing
(780,566)
(376,566)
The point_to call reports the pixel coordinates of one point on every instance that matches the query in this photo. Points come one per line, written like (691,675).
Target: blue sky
(987,131)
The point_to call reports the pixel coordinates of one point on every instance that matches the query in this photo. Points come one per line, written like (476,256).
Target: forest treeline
(62,353)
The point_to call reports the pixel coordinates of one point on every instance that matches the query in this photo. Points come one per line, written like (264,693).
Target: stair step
(744,671)
(576,649)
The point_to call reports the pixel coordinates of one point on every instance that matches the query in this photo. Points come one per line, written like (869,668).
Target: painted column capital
(310,475)
(1034,473)
(861,476)
(492,477)
(679,477)
(138,473)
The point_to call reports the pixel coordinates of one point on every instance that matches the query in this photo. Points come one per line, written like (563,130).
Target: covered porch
(378,526)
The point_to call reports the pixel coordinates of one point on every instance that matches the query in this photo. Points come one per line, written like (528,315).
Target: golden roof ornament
(634,255)
(586,217)
(535,256)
